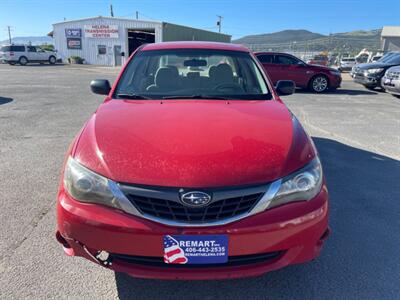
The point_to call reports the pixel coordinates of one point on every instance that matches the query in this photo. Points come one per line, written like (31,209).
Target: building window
(101,49)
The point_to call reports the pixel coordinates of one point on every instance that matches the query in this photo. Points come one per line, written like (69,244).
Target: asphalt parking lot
(356,131)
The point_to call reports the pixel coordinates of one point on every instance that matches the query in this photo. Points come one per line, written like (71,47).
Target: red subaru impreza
(192,168)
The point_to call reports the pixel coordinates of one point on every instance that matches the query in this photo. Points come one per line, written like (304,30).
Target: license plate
(195,249)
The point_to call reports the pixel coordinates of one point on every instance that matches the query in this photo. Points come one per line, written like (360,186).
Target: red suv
(283,66)
(192,168)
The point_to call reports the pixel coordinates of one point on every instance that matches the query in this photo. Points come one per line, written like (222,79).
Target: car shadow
(43,65)
(359,260)
(5,100)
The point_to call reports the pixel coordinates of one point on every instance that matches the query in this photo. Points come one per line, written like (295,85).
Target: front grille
(232,260)
(392,75)
(216,211)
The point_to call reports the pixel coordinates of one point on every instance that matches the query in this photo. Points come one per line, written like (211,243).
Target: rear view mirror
(100,86)
(195,63)
(285,87)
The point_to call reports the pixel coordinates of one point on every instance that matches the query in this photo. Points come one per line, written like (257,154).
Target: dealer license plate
(195,249)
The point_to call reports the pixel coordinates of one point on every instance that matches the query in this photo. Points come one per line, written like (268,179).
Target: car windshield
(192,73)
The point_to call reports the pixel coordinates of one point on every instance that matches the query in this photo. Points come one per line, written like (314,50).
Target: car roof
(267,52)
(195,45)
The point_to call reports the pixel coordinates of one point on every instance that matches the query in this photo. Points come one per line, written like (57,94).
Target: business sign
(73,32)
(101,31)
(74,43)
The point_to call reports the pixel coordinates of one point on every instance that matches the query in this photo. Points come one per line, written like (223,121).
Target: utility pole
(111,11)
(137,15)
(9,33)
(219,23)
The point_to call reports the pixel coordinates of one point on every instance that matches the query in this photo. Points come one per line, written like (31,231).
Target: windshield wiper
(132,96)
(196,97)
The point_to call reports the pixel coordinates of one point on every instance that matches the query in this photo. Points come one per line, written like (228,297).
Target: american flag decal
(173,254)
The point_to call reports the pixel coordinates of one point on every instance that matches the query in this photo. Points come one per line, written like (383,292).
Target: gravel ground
(356,131)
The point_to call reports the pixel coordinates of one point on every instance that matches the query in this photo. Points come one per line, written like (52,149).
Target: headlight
(303,184)
(86,186)
(374,71)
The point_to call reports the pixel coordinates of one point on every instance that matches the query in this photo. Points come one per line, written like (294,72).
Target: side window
(17,48)
(31,49)
(101,49)
(286,60)
(266,58)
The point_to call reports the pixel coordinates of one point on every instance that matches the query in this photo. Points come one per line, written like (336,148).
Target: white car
(23,54)
(347,63)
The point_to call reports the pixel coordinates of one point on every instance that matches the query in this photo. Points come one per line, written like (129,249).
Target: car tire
(371,88)
(23,61)
(52,60)
(319,84)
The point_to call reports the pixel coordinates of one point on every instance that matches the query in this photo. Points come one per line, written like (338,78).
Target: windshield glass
(195,73)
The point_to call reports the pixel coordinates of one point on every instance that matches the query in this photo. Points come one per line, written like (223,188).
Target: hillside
(303,40)
(34,40)
(279,37)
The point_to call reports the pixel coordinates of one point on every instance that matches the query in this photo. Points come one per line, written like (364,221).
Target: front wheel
(52,60)
(319,84)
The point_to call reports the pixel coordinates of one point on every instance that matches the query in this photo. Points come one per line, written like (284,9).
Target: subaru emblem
(195,199)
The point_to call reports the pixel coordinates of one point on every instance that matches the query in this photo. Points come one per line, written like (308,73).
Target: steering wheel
(227,85)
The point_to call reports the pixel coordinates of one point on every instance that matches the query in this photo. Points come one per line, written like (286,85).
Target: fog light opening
(324,236)
(62,240)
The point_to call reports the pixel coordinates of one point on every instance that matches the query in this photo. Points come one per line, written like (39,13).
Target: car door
(42,55)
(267,61)
(291,68)
(32,53)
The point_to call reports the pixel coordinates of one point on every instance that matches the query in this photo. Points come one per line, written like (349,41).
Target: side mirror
(100,86)
(285,87)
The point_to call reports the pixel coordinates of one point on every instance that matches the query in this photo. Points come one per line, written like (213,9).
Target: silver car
(391,81)
(347,63)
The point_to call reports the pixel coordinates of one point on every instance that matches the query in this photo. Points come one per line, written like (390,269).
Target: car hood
(375,65)
(190,143)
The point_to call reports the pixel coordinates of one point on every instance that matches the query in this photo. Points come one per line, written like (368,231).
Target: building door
(136,38)
(117,55)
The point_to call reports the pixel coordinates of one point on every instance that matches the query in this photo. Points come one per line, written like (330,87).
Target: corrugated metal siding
(89,45)
(173,32)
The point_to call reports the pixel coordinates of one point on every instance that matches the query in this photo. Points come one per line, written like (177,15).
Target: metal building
(109,41)
(390,38)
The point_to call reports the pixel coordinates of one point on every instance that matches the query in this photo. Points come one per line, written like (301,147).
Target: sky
(240,17)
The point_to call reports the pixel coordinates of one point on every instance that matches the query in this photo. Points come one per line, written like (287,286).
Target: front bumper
(370,81)
(335,81)
(296,231)
(391,86)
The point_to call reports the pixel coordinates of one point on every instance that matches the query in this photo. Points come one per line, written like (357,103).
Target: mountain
(303,40)
(34,40)
(279,37)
